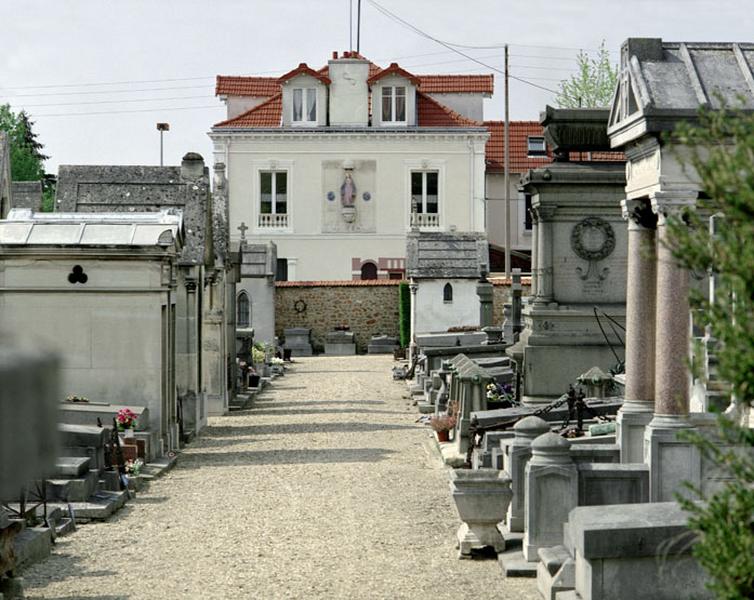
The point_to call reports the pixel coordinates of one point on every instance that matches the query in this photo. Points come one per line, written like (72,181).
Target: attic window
(535,146)
(304,105)
(394,104)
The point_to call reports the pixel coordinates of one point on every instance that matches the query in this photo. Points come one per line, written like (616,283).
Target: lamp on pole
(162,128)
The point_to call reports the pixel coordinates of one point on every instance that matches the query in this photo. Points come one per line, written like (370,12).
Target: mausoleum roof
(661,82)
(446,255)
(26,228)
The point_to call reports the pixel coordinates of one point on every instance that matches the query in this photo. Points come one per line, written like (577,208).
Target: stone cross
(242,228)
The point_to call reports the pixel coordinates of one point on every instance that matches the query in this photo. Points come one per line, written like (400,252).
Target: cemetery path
(323,490)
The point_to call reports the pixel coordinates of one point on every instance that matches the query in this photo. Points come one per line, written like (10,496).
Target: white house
(351,153)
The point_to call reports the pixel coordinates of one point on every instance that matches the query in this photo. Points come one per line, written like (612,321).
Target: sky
(97,75)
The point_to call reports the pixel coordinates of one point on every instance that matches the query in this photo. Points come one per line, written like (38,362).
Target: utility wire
(117,112)
(418,31)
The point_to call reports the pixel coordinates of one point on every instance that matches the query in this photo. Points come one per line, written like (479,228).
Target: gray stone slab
(72,466)
(628,530)
(87,413)
(513,564)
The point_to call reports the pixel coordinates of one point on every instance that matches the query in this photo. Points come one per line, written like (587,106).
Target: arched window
(368,271)
(243,310)
(447,293)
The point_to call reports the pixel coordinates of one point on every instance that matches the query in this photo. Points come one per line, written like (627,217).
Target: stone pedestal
(340,343)
(517,453)
(552,491)
(481,497)
(484,291)
(297,340)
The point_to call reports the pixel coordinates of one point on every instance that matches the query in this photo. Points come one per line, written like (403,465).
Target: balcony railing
(270,221)
(425,220)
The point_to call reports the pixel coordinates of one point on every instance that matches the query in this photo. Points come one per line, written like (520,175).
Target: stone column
(516,290)
(534,255)
(413,287)
(638,407)
(544,254)
(484,291)
(671,461)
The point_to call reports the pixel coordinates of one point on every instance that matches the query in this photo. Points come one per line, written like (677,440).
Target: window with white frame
(394,104)
(273,199)
(424,191)
(535,146)
(304,105)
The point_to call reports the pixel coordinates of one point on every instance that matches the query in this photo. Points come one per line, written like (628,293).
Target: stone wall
(367,307)
(501,292)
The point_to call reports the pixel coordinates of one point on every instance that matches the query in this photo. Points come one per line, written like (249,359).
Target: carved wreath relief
(593,240)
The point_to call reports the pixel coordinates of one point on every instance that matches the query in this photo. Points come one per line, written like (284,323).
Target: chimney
(335,55)
(192,166)
(349,92)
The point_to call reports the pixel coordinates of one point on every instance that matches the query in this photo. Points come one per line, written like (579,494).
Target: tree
(26,157)
(722,153)
(593,85)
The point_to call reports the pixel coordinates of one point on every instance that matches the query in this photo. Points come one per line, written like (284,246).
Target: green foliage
(722,154)
(404,313)
(593,85)
(26,157)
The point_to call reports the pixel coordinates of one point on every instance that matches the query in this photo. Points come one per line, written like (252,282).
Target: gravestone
(340,343)
(298,341)
(382,344)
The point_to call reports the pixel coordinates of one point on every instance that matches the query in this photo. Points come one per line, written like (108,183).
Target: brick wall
(367,307)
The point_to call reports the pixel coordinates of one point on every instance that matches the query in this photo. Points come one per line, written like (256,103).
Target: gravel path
(323,490)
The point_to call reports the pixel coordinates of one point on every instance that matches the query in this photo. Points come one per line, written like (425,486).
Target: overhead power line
(118,112)
(424,34)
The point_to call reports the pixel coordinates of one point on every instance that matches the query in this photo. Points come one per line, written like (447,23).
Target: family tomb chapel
(99,289)
(205,289)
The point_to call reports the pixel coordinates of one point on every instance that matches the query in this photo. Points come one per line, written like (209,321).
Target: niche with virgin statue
(348,205)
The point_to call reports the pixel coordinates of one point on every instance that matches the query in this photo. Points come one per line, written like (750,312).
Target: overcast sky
(158,58)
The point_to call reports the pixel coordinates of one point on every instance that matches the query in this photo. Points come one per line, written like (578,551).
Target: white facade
(382,165)
(437,311)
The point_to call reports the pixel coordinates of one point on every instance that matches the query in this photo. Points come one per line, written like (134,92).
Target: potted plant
(442,424)
(499,395)
(126,419)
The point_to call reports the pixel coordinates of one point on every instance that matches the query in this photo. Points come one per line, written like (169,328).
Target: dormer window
(305,106)
(536,146)
(394,104)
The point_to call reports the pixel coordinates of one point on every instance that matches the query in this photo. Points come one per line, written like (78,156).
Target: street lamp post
(162,127)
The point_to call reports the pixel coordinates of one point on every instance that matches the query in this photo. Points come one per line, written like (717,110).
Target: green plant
(404,313)
(721,151)
(593,85)
(257,355)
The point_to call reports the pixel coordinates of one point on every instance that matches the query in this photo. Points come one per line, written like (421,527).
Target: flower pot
(254,380)
(128,433)
(481,497)
(443,436)
(287,354)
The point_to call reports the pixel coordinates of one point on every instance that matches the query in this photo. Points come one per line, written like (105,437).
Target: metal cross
(242,228)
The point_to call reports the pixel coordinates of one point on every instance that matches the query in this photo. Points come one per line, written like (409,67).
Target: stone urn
(482,497)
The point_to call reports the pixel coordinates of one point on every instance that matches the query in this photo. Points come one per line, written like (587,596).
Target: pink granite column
(672,461)
(638,407)
(672,345)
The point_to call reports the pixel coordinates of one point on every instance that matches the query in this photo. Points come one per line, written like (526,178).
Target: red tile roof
(433,114)
(457,84)
(393,69)
(520,161)
(229,85)
(267,114)
(304,69)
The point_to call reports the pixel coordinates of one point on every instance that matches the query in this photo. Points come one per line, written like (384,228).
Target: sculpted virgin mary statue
(348,191)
